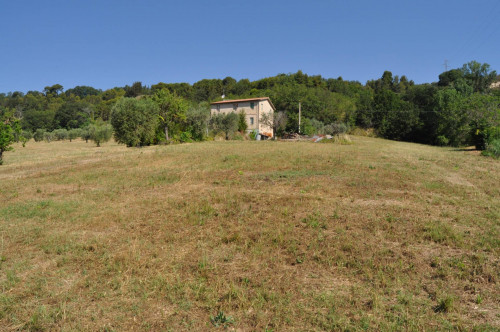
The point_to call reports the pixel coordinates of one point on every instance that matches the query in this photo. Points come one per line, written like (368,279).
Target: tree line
(459,109)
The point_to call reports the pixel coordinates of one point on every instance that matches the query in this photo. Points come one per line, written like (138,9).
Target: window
(251,120)
(252,105)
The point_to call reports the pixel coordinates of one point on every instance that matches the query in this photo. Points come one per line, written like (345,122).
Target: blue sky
(110,43)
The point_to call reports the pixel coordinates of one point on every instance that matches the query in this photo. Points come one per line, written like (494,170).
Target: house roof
(243,100)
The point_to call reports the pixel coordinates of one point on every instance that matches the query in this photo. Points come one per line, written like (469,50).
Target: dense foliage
(134,121)
(8,127)
(459,109)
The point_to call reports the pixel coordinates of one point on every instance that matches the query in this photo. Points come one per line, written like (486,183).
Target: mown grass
(375,235)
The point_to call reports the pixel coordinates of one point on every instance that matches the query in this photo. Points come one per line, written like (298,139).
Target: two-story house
(254,109)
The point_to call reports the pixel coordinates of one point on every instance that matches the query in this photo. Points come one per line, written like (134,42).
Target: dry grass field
(249,236)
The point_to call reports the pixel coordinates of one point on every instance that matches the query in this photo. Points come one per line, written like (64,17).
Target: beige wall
(260,107)
(265,108)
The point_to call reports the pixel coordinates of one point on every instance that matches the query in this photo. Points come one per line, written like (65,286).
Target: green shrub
(27,134)
(60,134)
(442,140)
(242,122)
(492,149)
(316,127)
(9,126)
(48,136)
(186,137)
(253,135)
(308,128)
(336,128)
(74,133)
(221,320)
(38,135)
(444,305)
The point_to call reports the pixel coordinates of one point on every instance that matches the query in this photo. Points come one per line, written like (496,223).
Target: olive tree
(74,133)
(100,132)
(134,121)
(224,123)
(275,120)
(172,110)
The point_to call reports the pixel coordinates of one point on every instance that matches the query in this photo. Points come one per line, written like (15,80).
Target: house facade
(254,109)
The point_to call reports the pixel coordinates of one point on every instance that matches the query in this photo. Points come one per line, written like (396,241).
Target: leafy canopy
(134,121)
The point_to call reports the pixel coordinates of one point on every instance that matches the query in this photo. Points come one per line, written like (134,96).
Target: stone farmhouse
(254,109)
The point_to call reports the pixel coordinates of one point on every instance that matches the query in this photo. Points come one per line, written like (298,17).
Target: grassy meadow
(249,236)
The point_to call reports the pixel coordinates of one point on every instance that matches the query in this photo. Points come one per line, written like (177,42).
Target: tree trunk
(1,160)
(166,132)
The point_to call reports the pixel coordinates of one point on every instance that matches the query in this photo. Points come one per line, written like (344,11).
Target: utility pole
(445,65)
(299,115)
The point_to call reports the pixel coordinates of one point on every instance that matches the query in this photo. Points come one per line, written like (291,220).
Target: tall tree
(53,90)
(73,115)
(479,75)
(135,90)
(83,91)
(172,110)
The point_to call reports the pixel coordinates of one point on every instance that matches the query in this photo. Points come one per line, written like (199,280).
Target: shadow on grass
(470,148)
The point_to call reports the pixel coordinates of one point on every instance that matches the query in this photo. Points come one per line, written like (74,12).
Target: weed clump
(221,320)
(444,305)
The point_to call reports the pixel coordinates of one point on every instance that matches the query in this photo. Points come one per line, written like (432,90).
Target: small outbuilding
(254,109)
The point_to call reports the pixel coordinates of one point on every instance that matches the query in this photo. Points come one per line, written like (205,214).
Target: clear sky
(108,43)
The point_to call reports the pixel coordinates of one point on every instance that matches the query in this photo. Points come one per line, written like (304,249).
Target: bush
(481,138)
(253,135)
(38,135)
(9,126)
(444,305)
(48,136)
(307,128)
(442,140)
(335,129)
(100,132)
(27,134)
(60,134)
(186,137)
(74,133)
(242,122)
(316,126)
(492,149)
